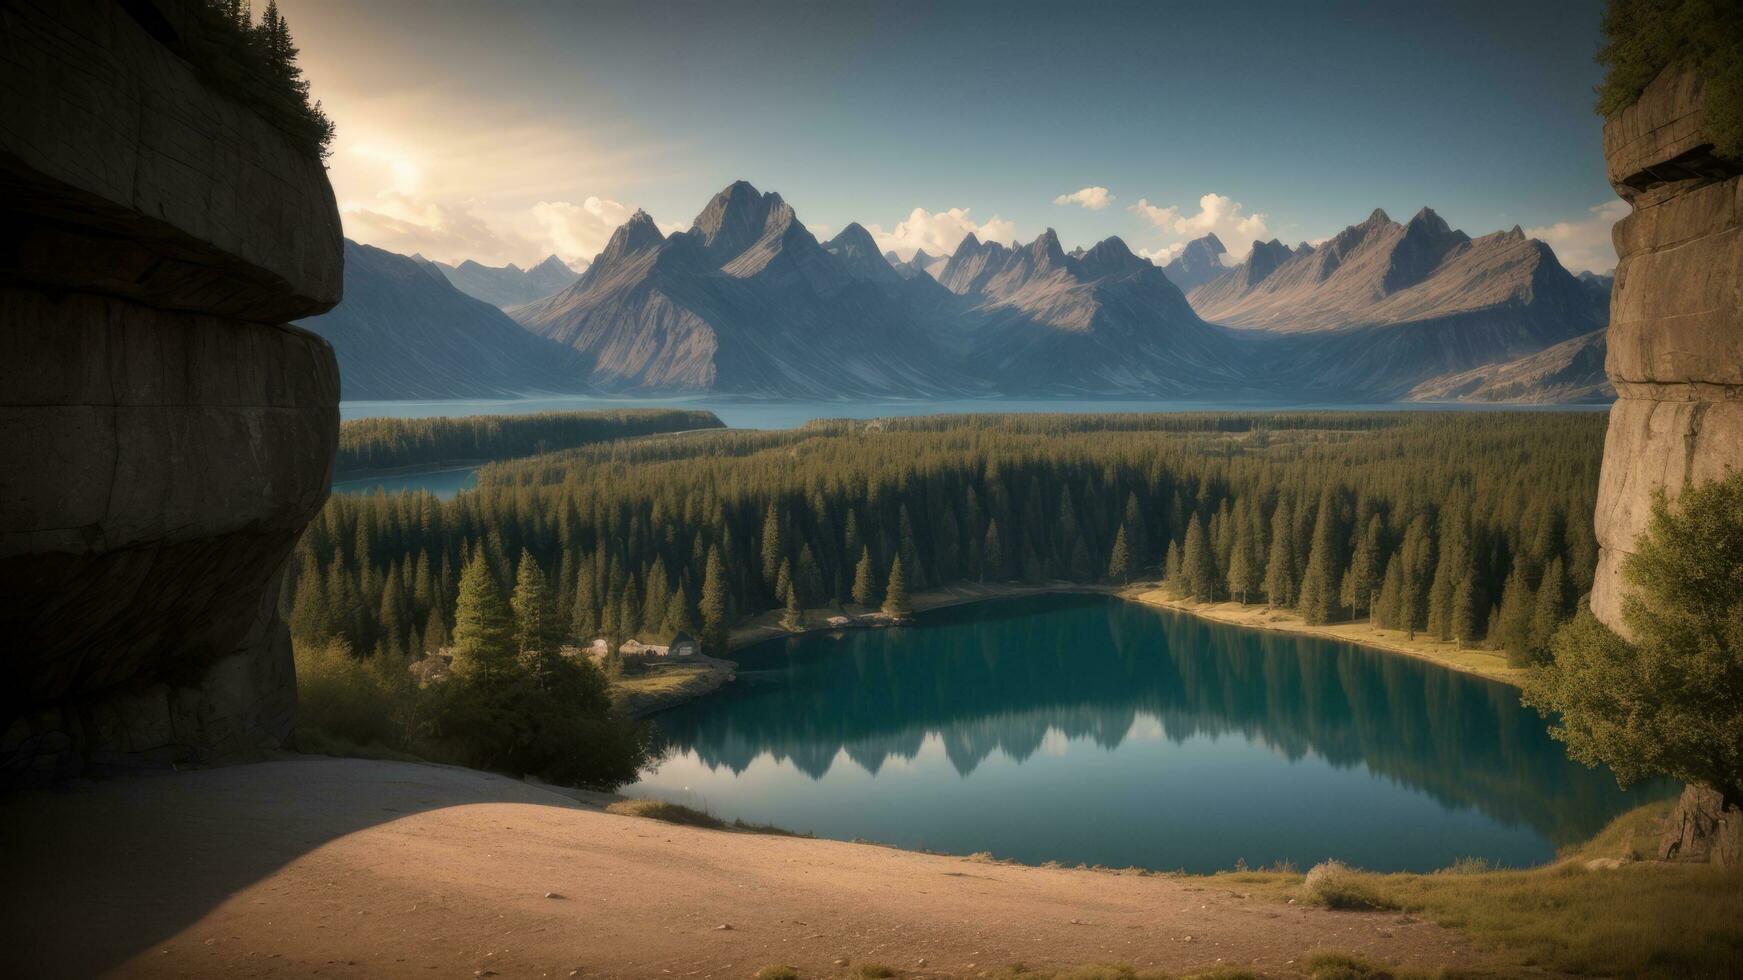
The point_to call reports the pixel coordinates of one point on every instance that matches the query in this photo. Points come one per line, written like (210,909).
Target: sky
(507,131)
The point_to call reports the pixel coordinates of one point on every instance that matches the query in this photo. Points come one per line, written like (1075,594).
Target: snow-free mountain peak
(1199,262)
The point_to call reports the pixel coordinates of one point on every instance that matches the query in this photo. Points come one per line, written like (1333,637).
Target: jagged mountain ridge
(1096,320)
(509,285)
(404,331)
(1383,306)
(745,301)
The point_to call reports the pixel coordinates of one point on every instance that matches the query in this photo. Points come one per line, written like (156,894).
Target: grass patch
(677,813)
(689,816)
(1617,916)
(870,971)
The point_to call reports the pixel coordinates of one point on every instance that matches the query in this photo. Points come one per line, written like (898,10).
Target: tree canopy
(1669,702)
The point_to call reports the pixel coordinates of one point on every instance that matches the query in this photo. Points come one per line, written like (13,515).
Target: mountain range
(1382,306)
(747,301)
(404,331)
(508,285)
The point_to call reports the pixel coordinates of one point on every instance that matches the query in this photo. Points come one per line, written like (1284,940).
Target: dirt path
(352,868)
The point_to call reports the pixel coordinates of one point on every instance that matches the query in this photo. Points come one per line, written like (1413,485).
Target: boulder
(169,435)
(1676,319)
(1701,830)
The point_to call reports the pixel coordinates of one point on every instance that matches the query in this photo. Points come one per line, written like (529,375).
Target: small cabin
(683,645)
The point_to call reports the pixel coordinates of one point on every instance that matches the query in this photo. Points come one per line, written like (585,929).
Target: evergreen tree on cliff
(1670,702)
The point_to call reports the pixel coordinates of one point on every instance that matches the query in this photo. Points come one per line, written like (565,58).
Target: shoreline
(1486,664)
(676,684)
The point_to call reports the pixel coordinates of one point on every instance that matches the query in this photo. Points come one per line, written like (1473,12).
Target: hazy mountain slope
(1098,321)
(509,285)
(404,331)
(1571,371)
(745,301)
(1198,263)
(1382,306)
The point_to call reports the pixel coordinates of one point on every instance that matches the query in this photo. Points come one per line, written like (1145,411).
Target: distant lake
(764,414)
(1089,729)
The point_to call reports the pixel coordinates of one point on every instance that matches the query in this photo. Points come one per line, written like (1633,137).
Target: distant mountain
(1383,306)
(1198,263)
(859,255)
(404,331)
(1100,320)
(745,301)
(921,264)
(1571,371)
(509,285)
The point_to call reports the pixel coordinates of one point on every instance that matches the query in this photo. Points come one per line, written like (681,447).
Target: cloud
(577,232)
(938,232)
(408,223)
(1584,245)
(1163,255)
(1219,215)
(1089,198)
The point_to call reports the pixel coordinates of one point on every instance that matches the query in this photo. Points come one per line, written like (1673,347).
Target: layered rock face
(1676,320)
(167,435)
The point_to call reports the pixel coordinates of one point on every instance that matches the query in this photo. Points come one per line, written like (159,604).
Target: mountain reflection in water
(1162,728)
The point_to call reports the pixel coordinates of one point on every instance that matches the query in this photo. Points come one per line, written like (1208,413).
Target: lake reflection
(1086,729)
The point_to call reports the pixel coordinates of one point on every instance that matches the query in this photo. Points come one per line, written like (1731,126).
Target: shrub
(345,703)
(1338,886)
(1644,37)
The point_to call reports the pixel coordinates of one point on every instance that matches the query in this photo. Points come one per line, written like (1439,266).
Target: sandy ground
(1483,663)
(353,868)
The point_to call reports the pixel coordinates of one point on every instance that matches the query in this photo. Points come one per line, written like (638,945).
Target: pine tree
(1464,608)
(311,618)
(483,627)
(1548,610)
(992,553)
(1362,579)
(793,618)
(864,592)
(1280,565)
(1417,564)
(774,547)
(1119,561)
(535,615)
(1318,601)
(809,580)
(896,601)
(1241,562)
(714,607)
(435,631)
(1198,565)
(1514,632)
(1174,570)
(392,620)
(1388,608)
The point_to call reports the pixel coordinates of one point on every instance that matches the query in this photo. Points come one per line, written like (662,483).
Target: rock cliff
(1676,319)
(168,434)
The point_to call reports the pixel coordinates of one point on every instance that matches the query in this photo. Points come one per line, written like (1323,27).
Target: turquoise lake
(1085,729)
